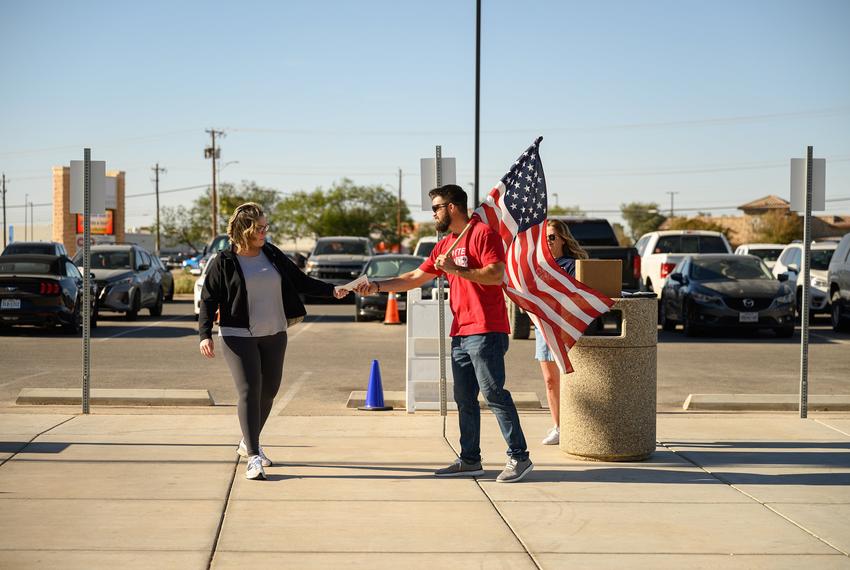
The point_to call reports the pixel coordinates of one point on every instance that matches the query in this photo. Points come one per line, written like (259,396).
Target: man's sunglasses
(436,207)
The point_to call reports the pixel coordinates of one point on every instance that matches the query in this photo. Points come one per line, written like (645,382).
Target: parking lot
(329,355)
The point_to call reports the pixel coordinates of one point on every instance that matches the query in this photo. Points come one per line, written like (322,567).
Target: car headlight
(703,298)
(818,282)
(311,265)
(788,297)
(120,282)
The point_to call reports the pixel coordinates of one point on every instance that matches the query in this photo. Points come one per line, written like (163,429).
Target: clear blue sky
(634,99)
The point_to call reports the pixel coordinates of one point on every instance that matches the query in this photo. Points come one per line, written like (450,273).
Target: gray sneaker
(515,470)
(460,468)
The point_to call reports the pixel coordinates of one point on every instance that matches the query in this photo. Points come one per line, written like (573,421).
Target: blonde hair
(243,224)
(571,246)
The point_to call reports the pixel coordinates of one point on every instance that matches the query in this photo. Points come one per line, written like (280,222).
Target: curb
(115,397)
(765,402)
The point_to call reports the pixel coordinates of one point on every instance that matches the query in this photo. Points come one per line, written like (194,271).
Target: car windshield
(690,244)
(424,248)
(821,258)
(766,254)
(107,260)
(391,267)
(728,269)
(31,267)
(341,248)
(220,243)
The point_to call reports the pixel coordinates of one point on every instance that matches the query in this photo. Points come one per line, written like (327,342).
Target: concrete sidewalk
(166,490)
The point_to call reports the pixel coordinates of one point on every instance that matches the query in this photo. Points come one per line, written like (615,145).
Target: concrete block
(115,397)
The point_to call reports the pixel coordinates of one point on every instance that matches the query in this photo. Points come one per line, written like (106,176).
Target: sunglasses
(436,207)
(263,229)
(551,237)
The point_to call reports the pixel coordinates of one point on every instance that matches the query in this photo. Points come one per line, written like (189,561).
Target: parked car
(726,290)
(126,278)
(43,290)
(767,252)
(41,247)
(838,277)
(661,251)
(790,262)
(199,285)
(425,246)
(167,279)
(368,307)
(297,257)
(340,259)
(597,237)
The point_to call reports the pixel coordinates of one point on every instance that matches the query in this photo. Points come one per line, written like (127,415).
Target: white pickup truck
(660,252)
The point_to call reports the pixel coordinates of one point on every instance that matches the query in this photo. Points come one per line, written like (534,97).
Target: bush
(183,282)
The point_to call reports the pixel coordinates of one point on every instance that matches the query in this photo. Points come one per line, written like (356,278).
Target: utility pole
(398,213)
(214,153)
(32,223)
(671,202)
(26,226)
(156,169)
(4,210)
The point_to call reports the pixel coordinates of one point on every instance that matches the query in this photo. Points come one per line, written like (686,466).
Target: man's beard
(443,225)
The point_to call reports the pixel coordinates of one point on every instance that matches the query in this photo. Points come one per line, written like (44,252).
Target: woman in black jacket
(254,288)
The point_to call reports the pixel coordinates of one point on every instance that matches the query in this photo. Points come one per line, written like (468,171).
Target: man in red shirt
(479,332)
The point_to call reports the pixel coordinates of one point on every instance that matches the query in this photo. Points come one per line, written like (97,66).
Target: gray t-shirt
(265,304)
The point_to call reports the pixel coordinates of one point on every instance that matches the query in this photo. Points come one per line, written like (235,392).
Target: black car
(368,307)
(43,290)
(726,290)
(41,247)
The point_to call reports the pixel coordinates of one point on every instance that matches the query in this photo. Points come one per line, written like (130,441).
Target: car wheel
(156,310)
(666,324)
(76,324)
(691,328)
(519,321)
(170,296)
(133,313)
(839,323)
(358,318)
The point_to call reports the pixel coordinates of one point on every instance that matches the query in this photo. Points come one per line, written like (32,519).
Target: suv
(127,279)
(838,277)
(40,247)
(339,260)
(790,262)
(661,251)
(767,252)
(425,246)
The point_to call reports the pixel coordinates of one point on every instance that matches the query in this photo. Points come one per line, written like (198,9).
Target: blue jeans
(478,364)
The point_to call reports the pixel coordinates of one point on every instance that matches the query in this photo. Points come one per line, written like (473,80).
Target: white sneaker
(255,468)
(243,451)
(553,437)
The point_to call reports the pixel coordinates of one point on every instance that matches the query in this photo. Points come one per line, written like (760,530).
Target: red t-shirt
(477,308)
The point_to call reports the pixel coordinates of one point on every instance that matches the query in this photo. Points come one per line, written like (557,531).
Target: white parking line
(289,394)
(304,328)
(27,377)
(139,328)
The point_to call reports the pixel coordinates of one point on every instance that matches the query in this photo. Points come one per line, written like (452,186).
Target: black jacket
(224,290)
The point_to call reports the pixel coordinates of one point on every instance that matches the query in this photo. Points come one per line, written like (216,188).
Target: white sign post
(808,192)
(434,177)
(88,181)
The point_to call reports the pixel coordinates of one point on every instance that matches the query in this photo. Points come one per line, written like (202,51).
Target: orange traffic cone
(391,316)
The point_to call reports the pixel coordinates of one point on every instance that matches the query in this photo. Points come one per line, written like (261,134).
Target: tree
(565,211)
(230,197)
(182,225)
(642,217)
(344,209)
(620,232)
(778,226)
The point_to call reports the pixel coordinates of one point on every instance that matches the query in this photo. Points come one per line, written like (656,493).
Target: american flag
(559,306)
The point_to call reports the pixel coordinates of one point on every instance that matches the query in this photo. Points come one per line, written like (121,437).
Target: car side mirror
(782,277)
(144,267)
(678,278)
(794,267)
(92,275)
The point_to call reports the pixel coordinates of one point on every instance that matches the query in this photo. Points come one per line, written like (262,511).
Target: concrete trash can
(608,402)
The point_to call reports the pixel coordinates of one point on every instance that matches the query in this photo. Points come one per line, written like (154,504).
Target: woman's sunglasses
(551,237)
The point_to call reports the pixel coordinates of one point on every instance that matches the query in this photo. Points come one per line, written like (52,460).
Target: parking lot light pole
(157,170)
(4,210)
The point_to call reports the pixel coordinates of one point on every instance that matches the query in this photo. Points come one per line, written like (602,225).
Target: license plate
(10,304)
(748,318)
(401,305)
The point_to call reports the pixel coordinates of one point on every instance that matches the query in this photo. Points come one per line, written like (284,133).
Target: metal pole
(86,278)
(398,213)
(442,313)
(804,310)
(26,224)
(4,210)
(156,170)
(477,91)
(32,222)
(214,193)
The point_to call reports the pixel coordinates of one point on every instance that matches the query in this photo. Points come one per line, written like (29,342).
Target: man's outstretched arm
(404,282)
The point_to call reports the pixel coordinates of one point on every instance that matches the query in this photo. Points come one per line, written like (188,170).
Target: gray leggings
(256,364)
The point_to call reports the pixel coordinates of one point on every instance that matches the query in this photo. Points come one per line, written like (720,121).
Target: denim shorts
(541,349)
